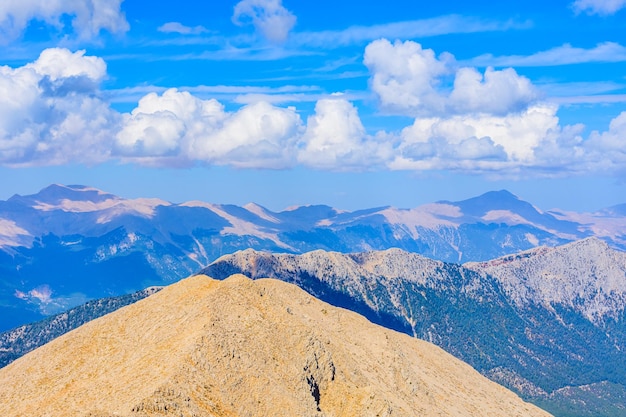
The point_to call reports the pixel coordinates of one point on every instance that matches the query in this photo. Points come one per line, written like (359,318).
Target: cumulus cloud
(88,17)
(482,142)
(599,7)
(414,81)
(336,139)
(50,111)
(176,27)
(176,126)
(608,149)
(467,120)
(269,17)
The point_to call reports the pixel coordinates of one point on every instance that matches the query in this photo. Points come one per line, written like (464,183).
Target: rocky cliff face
(244,348)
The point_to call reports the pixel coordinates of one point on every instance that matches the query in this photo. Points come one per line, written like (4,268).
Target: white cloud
(42,297)
(59,63)
(411,80)
(336,139)
(50,112)
(269,17)
(494,92)
(405,77)
(176,27)
(468,121)
(599,7)
(258,135)
(176,128)
(562,55)
(88,17)
(480,142)
(608,149)
(463,120)
(330,39)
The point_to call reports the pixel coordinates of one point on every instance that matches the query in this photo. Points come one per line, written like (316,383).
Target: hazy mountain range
(52,240)
(238,347)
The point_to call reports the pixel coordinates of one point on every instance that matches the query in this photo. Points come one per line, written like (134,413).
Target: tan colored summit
(245,348)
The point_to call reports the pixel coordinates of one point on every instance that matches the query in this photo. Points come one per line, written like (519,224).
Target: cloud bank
(489,122)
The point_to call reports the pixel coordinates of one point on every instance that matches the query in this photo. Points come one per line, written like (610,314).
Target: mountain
(244,348)
(51,240)
(21,340)
(548,323)
(586,277)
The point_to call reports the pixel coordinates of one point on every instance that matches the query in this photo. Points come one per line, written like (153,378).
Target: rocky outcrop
(245,348)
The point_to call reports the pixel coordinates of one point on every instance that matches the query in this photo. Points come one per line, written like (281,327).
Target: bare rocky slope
(238,347)
(548,323)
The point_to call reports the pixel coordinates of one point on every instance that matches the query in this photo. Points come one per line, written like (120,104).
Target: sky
(345,103)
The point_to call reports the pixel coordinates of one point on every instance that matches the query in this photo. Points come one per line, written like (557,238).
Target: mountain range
(238,347)
(52,240)
(548,323)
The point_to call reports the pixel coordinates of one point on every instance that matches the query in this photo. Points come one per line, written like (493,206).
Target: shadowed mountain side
(245,348)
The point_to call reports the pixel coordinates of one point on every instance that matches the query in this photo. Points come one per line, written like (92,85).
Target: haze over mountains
(51,240)
(245,348)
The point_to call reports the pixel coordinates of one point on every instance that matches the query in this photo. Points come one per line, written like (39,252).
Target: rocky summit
(239,347)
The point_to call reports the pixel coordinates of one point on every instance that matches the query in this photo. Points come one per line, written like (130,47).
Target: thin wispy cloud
(222,92)
(176,27)
(598,7)
(590,99)
(565,89)
(561,55)
(412,29)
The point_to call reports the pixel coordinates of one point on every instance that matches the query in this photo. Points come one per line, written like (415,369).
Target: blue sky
(351,104)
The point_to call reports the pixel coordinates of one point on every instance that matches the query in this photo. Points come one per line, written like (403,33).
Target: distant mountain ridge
(50,240)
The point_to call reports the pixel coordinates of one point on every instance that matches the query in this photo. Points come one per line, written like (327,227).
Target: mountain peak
(56,194)
(242,347)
